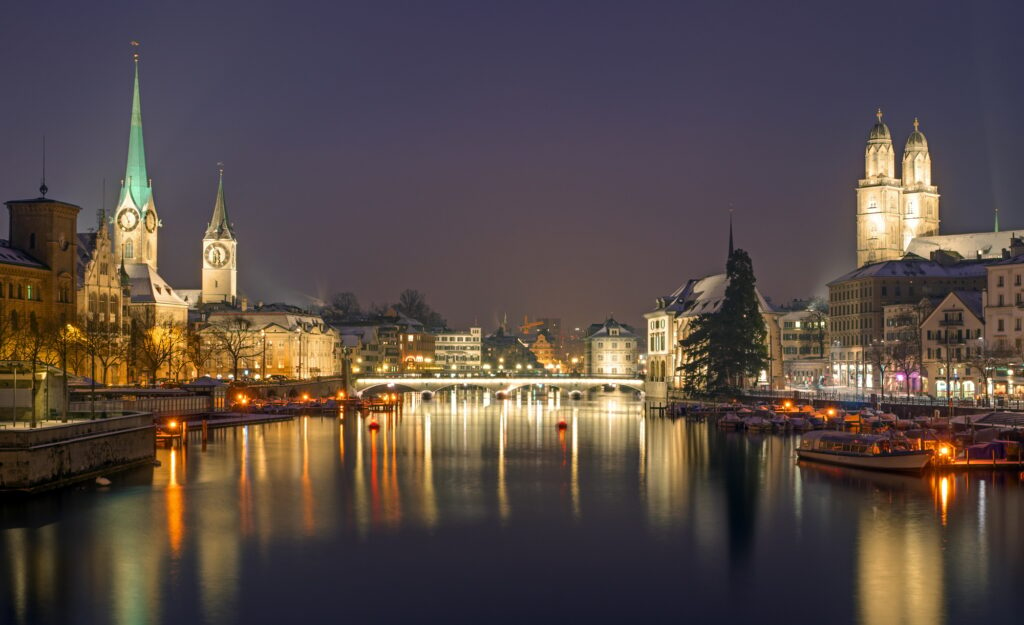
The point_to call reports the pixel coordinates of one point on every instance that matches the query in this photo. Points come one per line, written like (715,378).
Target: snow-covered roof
(915,267)
(191,296)
(268,316)
(599,330)
(13,256)
(969,245)
(149,288)
(701,296)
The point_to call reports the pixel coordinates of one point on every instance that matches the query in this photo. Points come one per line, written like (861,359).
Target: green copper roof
(136,181)
(220,226)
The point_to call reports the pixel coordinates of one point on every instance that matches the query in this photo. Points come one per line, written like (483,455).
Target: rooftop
(13,256)
(916,267)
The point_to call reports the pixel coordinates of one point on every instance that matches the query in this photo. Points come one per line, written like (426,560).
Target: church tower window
(129,249)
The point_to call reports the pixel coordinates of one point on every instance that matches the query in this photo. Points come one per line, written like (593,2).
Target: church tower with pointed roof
(220,268)
(136,224)
(135,218)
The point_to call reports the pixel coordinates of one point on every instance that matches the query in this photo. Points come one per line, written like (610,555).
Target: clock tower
(135,218)
(220,269)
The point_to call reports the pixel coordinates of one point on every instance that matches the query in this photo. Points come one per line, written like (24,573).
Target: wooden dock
(956,466)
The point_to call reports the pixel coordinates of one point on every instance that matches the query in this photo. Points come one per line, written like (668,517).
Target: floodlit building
(611,350)
(897,216)
(805,347)
(459,351)
(274,339)
(857,302)
(951,336)
(136,226)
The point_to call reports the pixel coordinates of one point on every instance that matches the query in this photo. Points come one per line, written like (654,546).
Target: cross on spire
(878,114)
(916,124)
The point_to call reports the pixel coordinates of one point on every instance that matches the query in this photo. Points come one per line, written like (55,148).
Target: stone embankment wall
(47,457)
(283,390)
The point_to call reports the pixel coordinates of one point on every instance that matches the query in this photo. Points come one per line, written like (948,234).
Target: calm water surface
(467,512)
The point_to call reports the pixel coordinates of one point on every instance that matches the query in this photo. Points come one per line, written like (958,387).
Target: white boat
(863,451)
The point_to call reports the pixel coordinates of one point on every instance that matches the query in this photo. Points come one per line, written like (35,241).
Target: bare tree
(32,342)
(906,359)
(104,345)
(986,358)
(879,356)
(235,339)
(62,340)
(155,347)
(9,335)
(198,352)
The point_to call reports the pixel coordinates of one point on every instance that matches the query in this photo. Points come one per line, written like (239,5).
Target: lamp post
(263,357)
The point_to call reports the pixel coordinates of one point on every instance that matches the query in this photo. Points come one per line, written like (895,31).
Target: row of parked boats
(807,418)
(878,440)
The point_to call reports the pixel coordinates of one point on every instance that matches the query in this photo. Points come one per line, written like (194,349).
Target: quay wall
(321,387)
(48,457)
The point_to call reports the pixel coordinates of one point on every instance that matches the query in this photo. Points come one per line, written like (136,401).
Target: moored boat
(863,451)
(730,421)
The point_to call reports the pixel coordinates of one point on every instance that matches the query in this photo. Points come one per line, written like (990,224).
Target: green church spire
(136,181)
(220,225)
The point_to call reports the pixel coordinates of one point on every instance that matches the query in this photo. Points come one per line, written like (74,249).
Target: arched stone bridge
(427,386)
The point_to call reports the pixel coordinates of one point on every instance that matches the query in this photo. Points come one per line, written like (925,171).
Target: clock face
(151,222)
(127,219)
(217,255)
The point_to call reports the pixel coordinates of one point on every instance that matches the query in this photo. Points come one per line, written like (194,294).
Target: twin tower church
(899,216)
(136,228)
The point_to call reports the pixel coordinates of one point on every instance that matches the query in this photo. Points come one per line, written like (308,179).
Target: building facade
(951,336)
(857,304)
(611,350)
(38,266)
(459,351)
(271,340)
(805,348)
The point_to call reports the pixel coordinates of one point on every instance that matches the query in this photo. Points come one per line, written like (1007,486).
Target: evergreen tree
(696,367)
(723,348)
(742,332)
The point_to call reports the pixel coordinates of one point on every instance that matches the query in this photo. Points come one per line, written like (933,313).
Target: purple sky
(544,158)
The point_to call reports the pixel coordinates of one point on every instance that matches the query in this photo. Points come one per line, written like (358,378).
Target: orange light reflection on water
(174,500)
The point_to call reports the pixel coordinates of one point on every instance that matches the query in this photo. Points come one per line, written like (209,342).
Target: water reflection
(461,497)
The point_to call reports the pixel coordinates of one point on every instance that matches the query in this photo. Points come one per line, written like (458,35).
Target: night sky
(545,158)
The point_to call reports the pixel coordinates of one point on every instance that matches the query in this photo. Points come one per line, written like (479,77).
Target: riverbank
(57,454)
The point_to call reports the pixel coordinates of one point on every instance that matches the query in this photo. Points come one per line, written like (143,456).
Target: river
(468,511)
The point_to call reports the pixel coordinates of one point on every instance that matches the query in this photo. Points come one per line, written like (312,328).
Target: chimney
(1016,246)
